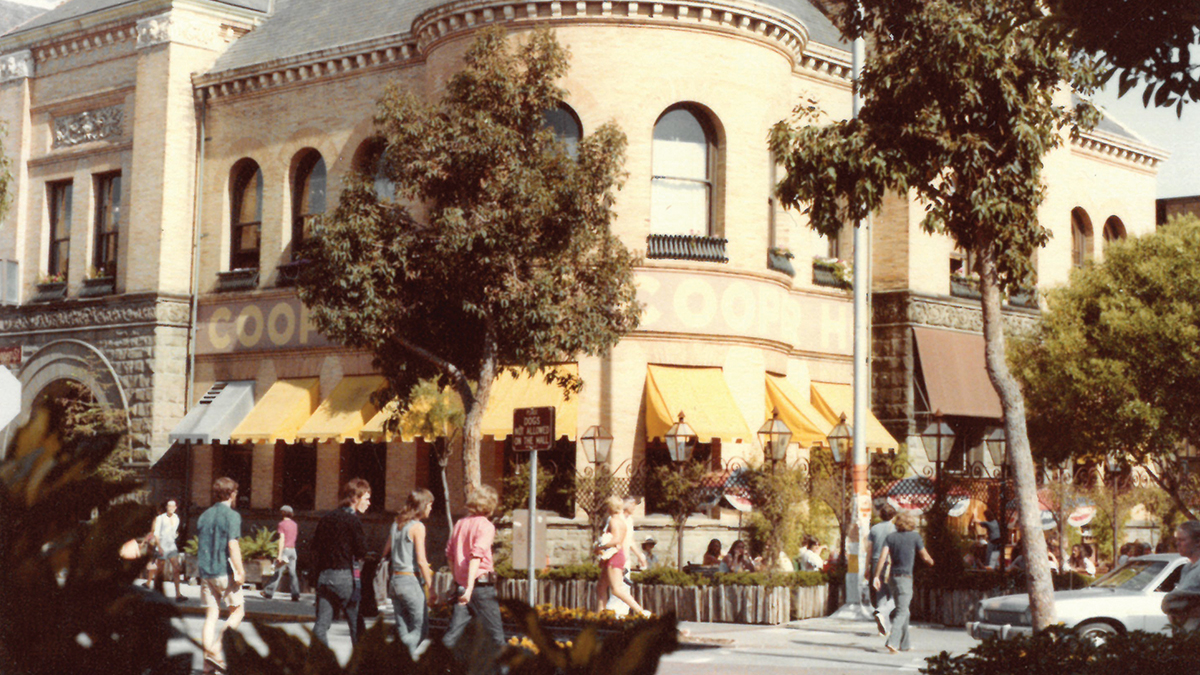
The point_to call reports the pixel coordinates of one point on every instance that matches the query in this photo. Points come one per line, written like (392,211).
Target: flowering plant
(842,269)
(58,278)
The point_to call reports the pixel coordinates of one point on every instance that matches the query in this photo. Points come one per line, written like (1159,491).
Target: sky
(1179,176)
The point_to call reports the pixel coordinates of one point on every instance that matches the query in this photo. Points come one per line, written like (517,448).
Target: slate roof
(303,26)
(74,9)
(14,14)
(1110,124)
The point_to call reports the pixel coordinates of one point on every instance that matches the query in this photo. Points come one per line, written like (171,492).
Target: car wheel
(1096,632)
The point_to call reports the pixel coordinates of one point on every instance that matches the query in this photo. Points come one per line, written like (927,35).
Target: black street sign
(533,429)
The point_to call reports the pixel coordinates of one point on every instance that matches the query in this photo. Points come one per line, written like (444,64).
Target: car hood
(1019,603)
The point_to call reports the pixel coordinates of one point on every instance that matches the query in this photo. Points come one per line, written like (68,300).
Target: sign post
(533,431)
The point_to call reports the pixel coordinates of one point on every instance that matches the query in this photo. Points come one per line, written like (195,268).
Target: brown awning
(956,378)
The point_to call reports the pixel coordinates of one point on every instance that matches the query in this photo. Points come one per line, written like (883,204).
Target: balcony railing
(237,280)
(686,247)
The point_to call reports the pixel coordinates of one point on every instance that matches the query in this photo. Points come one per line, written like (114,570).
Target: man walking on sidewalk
(286,560)
(219,559)
(875,538)
(339,545)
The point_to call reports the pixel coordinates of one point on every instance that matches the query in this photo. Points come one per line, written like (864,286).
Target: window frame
(59,216)
(1081,237)
(711,152)
(245,172)
(306,169)
(107,189)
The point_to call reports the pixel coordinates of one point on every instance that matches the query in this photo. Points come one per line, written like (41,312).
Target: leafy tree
(434,412)
(958,111)
(509,262)
(777,492)
(680,494)
(1115,365)
(1150,41)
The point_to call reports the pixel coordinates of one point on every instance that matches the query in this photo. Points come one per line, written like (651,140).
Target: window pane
(60,227)
(565,127)
(248,238)
(680,146)
(679,207)
(315,195)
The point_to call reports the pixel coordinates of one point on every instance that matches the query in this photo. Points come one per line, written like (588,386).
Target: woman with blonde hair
(469,552)
(901,549)
(405,550)
(611,556)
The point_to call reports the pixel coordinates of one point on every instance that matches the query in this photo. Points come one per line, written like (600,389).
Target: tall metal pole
(861,508)
(533,476)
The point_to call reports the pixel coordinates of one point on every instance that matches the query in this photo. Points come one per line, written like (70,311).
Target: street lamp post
(840,438)
(597,447)
(997,445)
(680,440)
(938,439)
(775,437)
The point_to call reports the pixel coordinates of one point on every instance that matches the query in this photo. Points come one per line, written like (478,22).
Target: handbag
(383,574)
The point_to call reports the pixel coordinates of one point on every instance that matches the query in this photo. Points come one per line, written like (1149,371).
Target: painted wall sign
(261,324)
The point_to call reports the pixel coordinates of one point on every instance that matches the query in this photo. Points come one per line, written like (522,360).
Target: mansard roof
(310,26)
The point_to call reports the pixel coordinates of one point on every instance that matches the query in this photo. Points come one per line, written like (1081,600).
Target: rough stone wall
(131,345)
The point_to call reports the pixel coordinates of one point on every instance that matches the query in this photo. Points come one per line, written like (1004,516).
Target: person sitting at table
(738,560)
(810,554)
(712,556)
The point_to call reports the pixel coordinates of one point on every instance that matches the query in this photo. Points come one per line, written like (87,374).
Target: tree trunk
(473,405)
(1040,585)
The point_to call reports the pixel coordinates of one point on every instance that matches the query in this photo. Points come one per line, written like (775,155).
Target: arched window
(566,127)
(1081,237)
(682,187)
(368,161)
(308,197)
(1114,229)
(246,191)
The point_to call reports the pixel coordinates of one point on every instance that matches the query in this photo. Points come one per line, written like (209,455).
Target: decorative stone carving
(16,65)
(169,27)
(32,318)
(87,126)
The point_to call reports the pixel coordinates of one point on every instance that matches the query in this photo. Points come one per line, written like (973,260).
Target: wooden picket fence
(724,604)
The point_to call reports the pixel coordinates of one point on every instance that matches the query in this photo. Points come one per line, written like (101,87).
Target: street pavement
(824,646)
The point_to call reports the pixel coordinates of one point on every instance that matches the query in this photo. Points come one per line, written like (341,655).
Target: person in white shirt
(165,532)
(810,555)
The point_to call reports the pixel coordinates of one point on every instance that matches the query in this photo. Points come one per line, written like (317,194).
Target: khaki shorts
(217,590)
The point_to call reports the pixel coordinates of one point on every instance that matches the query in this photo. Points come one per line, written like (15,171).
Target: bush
(771,579)
(668,576)
(1058,651)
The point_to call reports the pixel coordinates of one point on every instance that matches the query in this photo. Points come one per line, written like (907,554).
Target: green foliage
(635,649)
(1150,41)
(262,545)
(1115,365)
(516,486)
(677,493)
(513,265)
(67,600)
(1058,651)
(777,494)
(668,576)
(192,547)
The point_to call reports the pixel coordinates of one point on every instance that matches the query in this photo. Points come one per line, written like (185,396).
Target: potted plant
(259,552)
(51,287)
(832,272)
(964,285)
(780,260)
(99,281)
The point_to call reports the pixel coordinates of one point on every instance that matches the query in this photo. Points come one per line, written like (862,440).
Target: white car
(1128,598)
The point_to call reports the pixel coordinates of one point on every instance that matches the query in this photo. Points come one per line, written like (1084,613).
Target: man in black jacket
(339,546)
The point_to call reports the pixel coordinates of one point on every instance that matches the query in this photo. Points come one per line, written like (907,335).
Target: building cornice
(778,31)
(1120,148)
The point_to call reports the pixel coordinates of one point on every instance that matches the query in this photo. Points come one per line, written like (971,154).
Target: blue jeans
(483,607)
(412,614)
(878,597)
(289,554)
(335,589)
(902,591)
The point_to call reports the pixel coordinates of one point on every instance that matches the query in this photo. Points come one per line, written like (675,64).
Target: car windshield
(1132,576)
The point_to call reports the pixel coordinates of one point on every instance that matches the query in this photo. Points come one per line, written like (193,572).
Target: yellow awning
(374,429)
(809,427)
(344,413)
(285,407)
(530,391)
(701,394)
(831,400)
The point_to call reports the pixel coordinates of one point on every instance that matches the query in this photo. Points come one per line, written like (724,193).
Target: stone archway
(70,360)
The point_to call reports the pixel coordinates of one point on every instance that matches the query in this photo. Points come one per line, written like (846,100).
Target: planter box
(962,288)
(780,263)
(948,607)
(50,291)
(1027,299)
(93,288)
(727,604)
(237,280)
(824,274)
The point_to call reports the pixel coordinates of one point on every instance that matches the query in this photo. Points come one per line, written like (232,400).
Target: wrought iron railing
(686,247)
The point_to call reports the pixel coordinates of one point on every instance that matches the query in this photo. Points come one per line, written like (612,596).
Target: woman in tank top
(412,577)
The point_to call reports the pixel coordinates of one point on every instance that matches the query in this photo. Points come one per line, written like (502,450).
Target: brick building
(166,154)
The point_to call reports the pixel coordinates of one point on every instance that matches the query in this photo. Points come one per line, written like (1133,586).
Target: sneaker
(266,595)
(879,624)
(295,598)
(180,599)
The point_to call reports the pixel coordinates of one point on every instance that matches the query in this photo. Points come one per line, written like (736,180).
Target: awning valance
(277,416)
(375,429)
(833,400)
(347,409)
(530,391)
(216,414)
(701,394)
(955,374)
(808,426)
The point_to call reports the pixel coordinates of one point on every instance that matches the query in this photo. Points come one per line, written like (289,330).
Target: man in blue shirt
(879,532)
(219,559)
